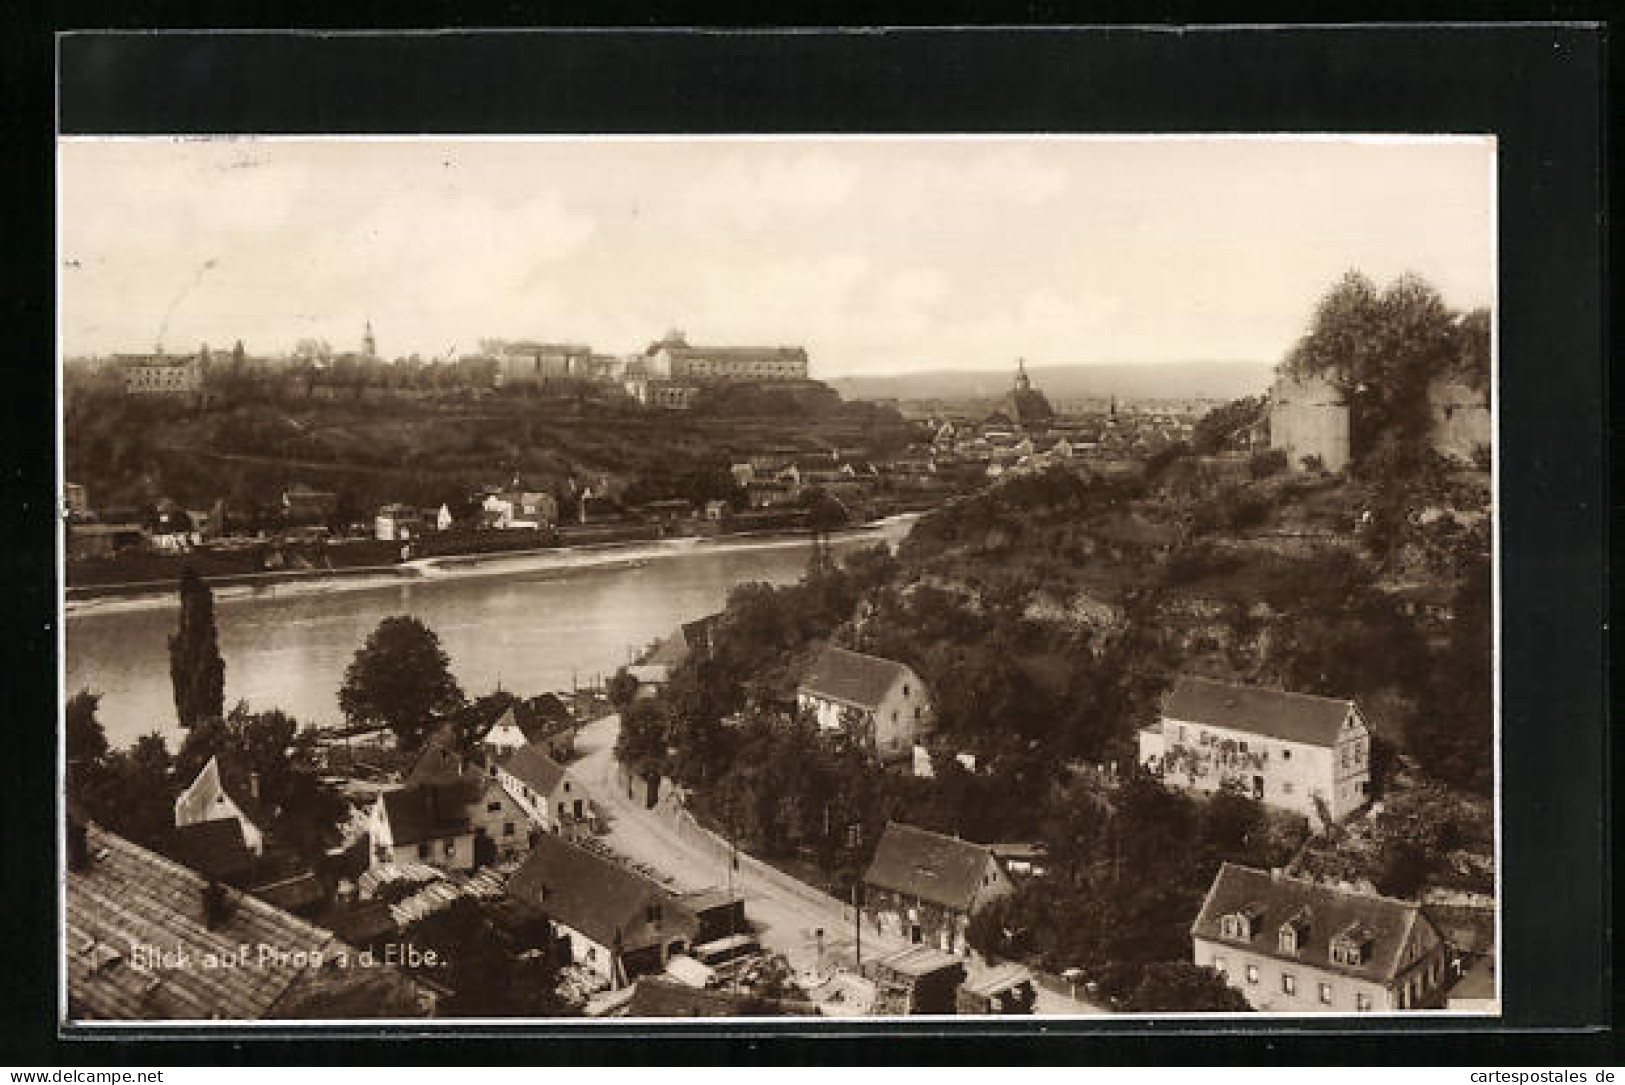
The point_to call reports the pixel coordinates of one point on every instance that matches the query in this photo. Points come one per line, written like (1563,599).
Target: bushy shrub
(1267,463)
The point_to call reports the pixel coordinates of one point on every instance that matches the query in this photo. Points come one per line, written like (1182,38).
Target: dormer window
(1352,946)
(1241,924)
(1295,932)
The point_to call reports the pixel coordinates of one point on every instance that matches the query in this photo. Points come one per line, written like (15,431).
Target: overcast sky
(878,256)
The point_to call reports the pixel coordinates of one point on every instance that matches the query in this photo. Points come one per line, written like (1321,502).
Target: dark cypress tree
(195,667)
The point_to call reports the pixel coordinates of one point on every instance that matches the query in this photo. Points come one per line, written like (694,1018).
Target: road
(786,922)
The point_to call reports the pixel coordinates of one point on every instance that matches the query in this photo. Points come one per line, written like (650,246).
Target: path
(786,922)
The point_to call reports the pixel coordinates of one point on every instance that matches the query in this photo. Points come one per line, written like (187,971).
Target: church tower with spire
(1022,383)
(369,345)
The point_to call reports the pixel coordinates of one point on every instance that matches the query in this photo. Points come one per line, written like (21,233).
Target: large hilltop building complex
(673,358)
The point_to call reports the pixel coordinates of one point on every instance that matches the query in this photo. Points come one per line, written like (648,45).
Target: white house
(1291,945)
(879,703)
(229,791)
(545,790)
(521,509)
(423,824)
(397,523)
(1293,751)
(505,736)
(619,924)
(443,519)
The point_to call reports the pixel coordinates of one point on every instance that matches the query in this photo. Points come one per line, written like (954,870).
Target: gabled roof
(1275,898)
(941,869)
(530,764)
(439,762)
(1290,717)
(127,895)
(597,897)
(419,814)
(221,773)
(215,849)
(852,677)
(508,721)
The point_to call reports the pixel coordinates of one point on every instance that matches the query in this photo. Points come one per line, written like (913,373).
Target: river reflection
(529,629)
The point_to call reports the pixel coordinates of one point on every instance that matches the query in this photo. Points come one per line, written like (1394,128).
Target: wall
(1459,418)
(891,913)
(1423,980)
(1309,418)
(508,815)
(1266,993)
(1294,773)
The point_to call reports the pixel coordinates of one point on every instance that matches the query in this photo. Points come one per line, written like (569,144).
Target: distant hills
(1156,380)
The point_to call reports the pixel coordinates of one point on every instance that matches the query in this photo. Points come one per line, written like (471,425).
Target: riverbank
(157,595)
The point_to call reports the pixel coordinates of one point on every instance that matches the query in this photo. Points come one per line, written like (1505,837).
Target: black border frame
(1538,88)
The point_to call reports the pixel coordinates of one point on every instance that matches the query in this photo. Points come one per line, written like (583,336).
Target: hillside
(427,450)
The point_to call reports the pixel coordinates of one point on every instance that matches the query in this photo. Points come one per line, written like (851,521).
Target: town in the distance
(1076,699)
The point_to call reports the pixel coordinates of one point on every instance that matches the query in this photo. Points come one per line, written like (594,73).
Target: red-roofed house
(877,702)
(1290,945)
(1289,750)
(924,887)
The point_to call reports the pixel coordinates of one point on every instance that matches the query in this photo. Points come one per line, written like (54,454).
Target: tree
(1383,349)
(1454,740)
(84,741)
(621,687)
(196,670)
(1226,428)
(1182,987)
(401,678)
(133,798)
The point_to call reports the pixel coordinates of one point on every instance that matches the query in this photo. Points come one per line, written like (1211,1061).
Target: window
(1362,1002)
(1286,754)
(1252,973)
(423,850)
(507,828)
(1242,745)
(1325,994)
(1289,983)
(493,807)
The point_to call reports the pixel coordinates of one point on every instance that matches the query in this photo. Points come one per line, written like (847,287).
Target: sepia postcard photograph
(620,578)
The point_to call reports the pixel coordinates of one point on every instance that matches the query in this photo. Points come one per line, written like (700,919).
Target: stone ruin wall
(1459,419)
(1309,418)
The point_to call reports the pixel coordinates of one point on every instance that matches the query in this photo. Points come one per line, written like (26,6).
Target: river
(531,624)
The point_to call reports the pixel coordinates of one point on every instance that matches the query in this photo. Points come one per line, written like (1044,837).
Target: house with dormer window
(1293,751)
(1291,945)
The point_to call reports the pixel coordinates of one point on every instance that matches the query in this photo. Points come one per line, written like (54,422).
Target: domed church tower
(1023,407)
